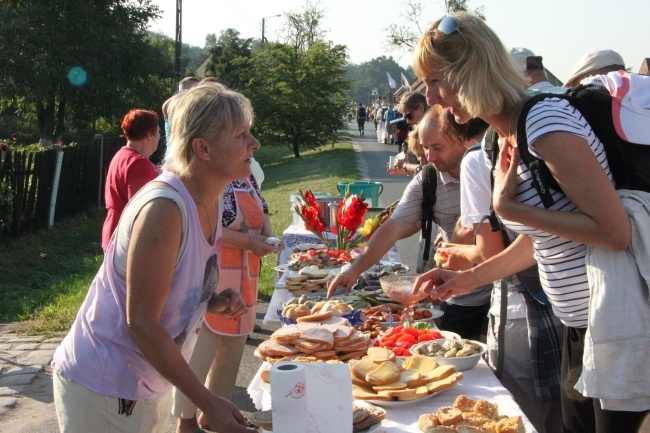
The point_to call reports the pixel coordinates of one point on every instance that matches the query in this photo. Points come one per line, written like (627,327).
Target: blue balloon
(77,76)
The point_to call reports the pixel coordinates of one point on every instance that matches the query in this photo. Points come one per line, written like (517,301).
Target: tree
(229,58)
(302,29)
(62,56)
(299,96)
(210,41)
(402,36)
(371,74)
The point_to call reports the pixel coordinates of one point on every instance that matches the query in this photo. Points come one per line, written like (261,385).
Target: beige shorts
(80,410)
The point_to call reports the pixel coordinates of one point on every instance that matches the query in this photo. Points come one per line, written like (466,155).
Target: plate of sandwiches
(379,378)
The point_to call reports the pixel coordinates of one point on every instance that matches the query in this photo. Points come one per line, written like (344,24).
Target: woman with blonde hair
(466,68)
(138,324)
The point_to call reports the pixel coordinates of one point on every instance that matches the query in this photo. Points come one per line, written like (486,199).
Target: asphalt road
(34,410)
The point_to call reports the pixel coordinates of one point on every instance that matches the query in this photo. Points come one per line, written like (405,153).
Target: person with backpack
(433,196)
(586,214)
(522,322)
(361,117)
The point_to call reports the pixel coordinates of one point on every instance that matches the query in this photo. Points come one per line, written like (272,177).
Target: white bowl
(460,364)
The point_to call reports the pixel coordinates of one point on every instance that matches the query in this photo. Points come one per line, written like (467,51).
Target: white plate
(280,268)
(398,403)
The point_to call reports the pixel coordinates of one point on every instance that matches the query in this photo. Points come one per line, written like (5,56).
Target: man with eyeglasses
(465,314)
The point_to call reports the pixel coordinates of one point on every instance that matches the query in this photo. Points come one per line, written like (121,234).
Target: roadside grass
(44,277)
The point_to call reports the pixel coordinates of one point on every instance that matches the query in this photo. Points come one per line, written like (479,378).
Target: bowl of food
(462,354)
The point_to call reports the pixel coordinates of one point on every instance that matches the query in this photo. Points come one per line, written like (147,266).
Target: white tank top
(98,352)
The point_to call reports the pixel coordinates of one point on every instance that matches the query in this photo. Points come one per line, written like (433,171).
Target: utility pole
(263,22)
(179,44)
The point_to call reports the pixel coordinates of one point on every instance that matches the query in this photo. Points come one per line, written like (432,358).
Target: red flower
(14,136)
(351,217)
(311,200)
(4,147)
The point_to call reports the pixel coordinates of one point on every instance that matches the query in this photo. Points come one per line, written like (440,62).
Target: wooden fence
(30,176)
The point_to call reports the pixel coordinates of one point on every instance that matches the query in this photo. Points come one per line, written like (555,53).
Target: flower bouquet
(350,215)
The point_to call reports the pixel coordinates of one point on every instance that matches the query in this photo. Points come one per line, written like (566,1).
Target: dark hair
(411,101)
(473,129)
(139,124)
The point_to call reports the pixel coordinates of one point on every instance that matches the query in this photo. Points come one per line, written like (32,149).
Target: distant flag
(391,82)
(405,82)
(375,91)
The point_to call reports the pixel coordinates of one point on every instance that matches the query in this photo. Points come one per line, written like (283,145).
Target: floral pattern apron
(240,269)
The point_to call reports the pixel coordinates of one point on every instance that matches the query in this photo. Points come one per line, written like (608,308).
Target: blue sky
(559,30)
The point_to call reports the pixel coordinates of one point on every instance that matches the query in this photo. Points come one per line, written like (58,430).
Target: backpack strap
(542,178)
(429,187)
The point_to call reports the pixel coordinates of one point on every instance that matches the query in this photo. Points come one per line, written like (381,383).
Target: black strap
(429,187)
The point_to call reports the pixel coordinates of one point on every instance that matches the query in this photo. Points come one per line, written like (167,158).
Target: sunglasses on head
(449,25)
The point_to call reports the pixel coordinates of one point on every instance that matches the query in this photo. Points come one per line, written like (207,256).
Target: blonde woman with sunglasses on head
(466,68)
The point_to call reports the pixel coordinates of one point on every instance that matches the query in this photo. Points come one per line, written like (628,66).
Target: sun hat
(593,61)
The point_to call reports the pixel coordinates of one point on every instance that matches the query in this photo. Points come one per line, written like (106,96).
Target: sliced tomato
(437,335)
(388,344)
(426,337)
(400,351)
(412,331)
(407,337)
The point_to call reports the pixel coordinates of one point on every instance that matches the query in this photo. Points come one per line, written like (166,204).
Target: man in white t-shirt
(465,314)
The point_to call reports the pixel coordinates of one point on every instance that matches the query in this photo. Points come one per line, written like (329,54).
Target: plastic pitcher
(371,190)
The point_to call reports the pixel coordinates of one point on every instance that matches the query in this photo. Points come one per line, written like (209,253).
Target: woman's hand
(257,245)
(224,417)
(441,284)
(505,178)
(228,303)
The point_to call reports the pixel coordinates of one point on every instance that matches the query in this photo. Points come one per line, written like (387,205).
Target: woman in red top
(130,168)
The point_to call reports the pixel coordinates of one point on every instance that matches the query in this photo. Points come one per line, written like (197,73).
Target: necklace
(196,189)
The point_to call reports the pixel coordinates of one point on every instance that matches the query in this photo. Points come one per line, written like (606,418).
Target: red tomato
(387,344)
(407,337)
(412,331)
(400,351)
(426,337)
(403,344)
(437,335)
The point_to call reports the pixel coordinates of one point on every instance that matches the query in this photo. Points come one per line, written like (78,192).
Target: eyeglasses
(449,25)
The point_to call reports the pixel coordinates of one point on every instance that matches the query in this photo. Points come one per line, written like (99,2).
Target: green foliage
(373,74)
(230,58)
(299,96)
(105,40)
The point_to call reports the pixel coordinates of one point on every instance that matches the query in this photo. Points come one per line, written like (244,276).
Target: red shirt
(128,172)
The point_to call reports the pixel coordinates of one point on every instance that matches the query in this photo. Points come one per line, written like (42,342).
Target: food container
(460,364)
(323,200)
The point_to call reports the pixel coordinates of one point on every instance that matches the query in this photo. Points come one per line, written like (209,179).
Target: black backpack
(628,162)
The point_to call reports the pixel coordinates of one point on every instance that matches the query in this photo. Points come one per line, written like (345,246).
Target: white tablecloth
(478,382)
(293,236)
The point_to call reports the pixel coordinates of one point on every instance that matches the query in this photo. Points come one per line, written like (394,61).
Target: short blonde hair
(210,111)
(474,61)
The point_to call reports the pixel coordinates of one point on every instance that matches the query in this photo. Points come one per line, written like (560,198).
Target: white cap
(593,61)
(520,56)
(257,171)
